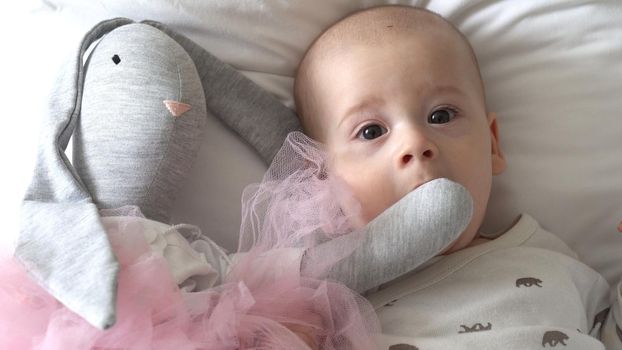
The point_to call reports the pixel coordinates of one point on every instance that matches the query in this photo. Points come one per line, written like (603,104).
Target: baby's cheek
(369,186)
(377,203)
(351,195)
(365,203)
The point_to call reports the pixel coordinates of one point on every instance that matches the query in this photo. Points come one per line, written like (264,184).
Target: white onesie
(523,290)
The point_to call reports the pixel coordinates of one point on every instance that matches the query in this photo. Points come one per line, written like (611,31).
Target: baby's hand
(620,226)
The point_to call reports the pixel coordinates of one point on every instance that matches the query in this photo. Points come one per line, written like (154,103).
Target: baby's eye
(441,116)
(371,131)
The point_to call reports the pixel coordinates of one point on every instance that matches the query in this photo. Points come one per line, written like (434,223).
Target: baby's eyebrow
(376,101)
(439,89)
(367,103)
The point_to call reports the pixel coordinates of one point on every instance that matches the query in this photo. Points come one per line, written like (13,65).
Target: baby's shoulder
(547,240)
(527,232)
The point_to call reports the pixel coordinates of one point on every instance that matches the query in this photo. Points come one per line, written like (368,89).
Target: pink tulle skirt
(248,311)
(254,308)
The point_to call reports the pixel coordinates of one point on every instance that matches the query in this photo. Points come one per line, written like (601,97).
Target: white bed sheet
(552,70)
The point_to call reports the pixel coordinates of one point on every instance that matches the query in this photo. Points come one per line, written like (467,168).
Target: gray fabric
(128,147)
(409,233)
(255,114)
(77,266)
(61,237)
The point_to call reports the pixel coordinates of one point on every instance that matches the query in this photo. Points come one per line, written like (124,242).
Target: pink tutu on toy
(263,302)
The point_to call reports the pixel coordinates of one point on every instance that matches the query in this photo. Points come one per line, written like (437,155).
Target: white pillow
(552,70)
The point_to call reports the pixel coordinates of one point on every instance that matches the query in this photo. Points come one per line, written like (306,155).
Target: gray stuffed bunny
(136,109)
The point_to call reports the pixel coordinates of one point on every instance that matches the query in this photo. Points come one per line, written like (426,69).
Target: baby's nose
(416,147)
(177,108)
(426,154)
(408,157)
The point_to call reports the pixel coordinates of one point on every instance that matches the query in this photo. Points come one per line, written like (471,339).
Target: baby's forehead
(381,29)
(383,25)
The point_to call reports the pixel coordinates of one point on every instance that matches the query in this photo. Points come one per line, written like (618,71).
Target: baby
(395,95)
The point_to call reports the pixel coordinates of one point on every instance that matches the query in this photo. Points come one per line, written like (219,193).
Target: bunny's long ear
(403,237)
(255,114)
(62,242)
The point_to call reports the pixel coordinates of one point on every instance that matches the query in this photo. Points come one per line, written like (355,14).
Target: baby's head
(396,96)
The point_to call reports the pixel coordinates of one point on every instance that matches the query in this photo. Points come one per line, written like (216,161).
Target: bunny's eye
(116,59)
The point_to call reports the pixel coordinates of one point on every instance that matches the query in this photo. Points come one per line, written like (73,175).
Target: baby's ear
(498,158)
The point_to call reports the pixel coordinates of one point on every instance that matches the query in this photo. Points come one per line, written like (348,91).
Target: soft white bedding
(552,70)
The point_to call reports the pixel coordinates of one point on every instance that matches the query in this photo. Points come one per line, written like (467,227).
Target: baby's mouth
(424,182)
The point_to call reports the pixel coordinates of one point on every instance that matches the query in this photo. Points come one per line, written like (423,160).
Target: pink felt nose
(177,108)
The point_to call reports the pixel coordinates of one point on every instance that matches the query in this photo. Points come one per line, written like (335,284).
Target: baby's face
(398,115)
